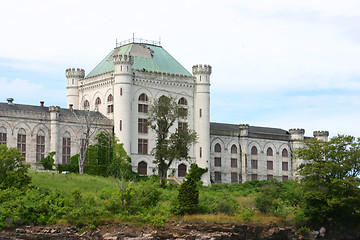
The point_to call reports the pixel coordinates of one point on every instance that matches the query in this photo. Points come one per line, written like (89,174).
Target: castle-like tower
(202,117)
(73,77)
(123,74)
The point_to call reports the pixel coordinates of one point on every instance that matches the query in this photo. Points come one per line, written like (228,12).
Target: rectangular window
(183,112)
(143,108)
(200,151)
(254,164)
(2,138)
(269,165)
(269,177)
(217,177)
(285,166)
(142,125)
(217,162)
(66,150)
(40,148)
(234,177)
(254,176)
(110,108)
(234,162)
(200,112)
(182,126)
(21,144)
(120,91)
(142,146)
(285,178)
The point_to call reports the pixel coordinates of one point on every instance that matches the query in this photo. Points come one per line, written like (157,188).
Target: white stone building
(121,87)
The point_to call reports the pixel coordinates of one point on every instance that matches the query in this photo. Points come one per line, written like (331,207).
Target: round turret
(73,76)
(202,73)
(321,135)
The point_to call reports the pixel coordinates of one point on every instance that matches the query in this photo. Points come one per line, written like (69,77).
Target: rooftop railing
(137,40)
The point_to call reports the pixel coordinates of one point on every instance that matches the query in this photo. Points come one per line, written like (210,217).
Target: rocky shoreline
(174,230)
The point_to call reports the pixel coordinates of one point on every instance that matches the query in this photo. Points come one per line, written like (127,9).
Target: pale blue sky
(286,64)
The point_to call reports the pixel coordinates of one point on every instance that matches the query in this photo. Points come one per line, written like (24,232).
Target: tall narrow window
(143,103)
(254,164)
(217,162)
(183,106)
(269,165)
(217,177)
(234,162)
(269,152)
(233,149)
(3,135)
(181,170)
(66,148)
(254,151)
(120,125)
(200,112)
(285,166)
(234,177)
(21,142)
(120,91)
(285,153)
(40,145)
(142,168)
(217,147)
(200,151)
(142,146)
(142,125)
(110,106)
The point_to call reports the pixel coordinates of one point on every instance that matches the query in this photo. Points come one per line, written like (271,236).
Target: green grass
(68,182)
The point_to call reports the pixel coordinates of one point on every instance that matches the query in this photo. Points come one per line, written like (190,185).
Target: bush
(48,162)
(13,170)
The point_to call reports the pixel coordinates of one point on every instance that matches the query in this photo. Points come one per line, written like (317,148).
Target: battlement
(244,130)
(243,126)
(123,59)
(201,69)
(75,73)
(321,133)
(54,109)
(297,131)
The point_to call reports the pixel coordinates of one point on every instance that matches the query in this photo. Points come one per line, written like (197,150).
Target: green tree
(163,114)
(188,197)
(331,180)
(48,162)
(13,170)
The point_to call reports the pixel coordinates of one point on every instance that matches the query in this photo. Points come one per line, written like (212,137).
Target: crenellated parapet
(123,59)
(54,109)
(297,133)
(75,73)
(201,69)
(321,135)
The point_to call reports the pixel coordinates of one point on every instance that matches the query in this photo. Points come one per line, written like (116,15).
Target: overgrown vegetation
(328,193)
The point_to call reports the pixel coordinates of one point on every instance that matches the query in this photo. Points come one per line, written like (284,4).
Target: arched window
(110,98)
(40,145)
(21,142)
(217,147)
(143,105)
(3,135)
(233,149)
(97,101)
(142,168)
(254,151)
(183,101)
(66,148)
(269,152)
(285,153)
(182,170)
(143,97)
(86,104)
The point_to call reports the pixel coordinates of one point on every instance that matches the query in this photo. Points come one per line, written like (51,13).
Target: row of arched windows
(142,169)
(217,148)
(110,100)
(269,152)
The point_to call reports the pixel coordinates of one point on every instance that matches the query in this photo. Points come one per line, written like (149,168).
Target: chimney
(42,103)
(71,106)
(10,101)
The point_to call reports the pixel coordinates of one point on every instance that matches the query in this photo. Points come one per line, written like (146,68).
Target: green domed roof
(146,57)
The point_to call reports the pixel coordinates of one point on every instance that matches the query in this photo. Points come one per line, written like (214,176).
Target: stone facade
(121,88)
